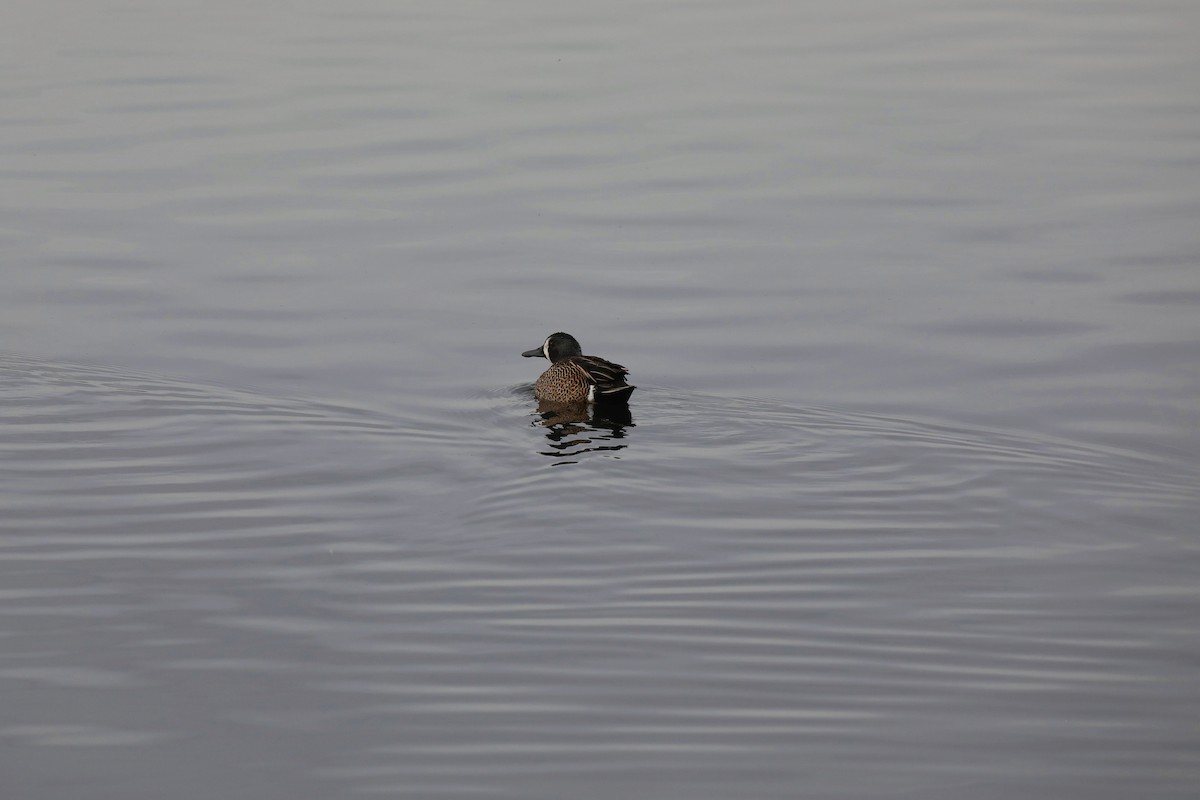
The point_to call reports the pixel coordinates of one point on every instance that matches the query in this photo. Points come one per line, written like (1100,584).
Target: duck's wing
(607,377)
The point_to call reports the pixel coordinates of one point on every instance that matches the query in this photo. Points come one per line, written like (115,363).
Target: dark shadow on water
(575,429)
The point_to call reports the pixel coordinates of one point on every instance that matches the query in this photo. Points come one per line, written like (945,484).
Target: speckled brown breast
(564,382)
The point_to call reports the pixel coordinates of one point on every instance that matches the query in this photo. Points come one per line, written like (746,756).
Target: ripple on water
(708,588)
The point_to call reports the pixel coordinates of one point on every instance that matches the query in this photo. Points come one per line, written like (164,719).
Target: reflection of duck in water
(574,378)
(612,416)
(573,429)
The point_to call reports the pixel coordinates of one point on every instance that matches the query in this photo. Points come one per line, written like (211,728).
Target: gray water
(904,505)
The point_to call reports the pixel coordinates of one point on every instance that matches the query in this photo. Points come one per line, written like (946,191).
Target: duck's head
(556,347)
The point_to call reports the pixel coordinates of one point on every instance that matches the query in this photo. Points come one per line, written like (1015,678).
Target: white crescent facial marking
(546,348)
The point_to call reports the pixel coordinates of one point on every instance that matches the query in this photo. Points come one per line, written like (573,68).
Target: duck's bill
(534,353)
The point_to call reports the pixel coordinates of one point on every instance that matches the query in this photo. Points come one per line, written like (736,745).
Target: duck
(574,378)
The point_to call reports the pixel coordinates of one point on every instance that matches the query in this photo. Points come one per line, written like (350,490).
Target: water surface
(904,503)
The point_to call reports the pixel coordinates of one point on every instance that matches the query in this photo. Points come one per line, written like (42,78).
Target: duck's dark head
(556,347)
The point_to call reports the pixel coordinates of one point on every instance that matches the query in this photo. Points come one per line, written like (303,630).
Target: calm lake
(905,504)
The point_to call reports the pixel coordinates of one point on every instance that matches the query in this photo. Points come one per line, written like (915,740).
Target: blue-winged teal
(574,377)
